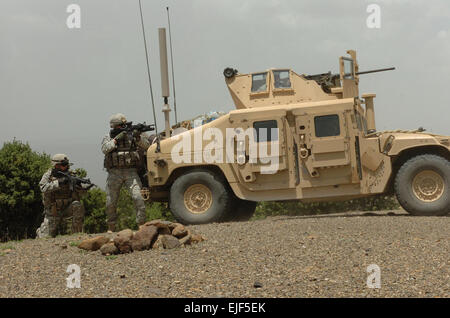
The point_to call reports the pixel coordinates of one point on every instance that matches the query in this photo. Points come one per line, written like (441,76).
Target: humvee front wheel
(199,197)
(422,185)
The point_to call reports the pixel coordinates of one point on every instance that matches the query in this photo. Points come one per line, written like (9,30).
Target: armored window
(266,131)
(259,82)
(327,126)
(281,79)
(348,68)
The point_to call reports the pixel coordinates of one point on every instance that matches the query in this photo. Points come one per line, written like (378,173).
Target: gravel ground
(309,256)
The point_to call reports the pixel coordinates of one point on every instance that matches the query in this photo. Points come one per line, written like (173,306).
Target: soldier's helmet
(61,159)
(117,119)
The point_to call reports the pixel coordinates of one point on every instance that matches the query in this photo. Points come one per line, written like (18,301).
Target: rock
(158,243)
(163,226)
(109,249)
(94,243)
(164,231)
(257,285)
(197,238)
(179,231)
(185,240)
(123,240)
(174,225)
(170,241)
(143,238)
(159,223)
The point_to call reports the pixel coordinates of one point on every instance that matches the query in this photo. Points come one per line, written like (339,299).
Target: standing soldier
(60,201)
(122,161)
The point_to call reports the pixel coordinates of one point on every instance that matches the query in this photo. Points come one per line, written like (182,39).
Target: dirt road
(320,256)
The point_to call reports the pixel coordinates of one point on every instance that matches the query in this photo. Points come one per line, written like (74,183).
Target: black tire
(406,192)
(243,210)
(221,200)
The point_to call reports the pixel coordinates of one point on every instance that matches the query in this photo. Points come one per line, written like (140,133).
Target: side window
(348,69)
(327,126)
(281,79)
(259,82)
(266,130)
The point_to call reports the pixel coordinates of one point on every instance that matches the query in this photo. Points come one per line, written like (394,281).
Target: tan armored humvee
(318,133)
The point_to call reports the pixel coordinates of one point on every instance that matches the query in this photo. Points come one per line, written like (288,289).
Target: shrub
(21,207)
(95,207)
(373,203)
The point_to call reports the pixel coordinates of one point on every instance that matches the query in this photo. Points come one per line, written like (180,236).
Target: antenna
(171,62)
(148,68)
(164,78)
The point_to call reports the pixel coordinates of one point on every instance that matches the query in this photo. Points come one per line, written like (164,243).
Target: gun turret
(329,80)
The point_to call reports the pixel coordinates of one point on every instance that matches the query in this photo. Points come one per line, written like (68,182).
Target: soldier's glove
(121,135)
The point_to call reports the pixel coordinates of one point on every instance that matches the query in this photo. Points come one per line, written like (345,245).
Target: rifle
(130,128)
(75,181)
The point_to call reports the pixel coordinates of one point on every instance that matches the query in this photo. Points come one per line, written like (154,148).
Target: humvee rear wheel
(199,197)
(422,185)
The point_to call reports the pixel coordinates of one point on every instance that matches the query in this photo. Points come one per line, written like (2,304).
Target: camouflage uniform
(59,203)
(122,159)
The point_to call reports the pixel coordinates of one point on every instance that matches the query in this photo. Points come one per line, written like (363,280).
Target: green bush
(95,206)
(21,207)
(373,203)
(126,213)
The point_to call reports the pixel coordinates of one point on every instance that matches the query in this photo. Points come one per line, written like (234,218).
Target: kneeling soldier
(61,199)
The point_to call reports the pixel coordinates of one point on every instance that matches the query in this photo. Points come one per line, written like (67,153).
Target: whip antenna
(164,78)
(171,62)
(148,67)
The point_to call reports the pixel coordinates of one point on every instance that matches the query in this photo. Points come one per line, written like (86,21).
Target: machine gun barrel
(376,71)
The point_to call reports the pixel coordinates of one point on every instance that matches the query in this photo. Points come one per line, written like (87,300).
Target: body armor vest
(124,156)
(60,199)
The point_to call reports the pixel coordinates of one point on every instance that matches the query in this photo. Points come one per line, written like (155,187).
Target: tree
(95,207)
(21,208)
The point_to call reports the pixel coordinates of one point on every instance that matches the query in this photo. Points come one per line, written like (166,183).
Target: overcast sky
(59,86)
